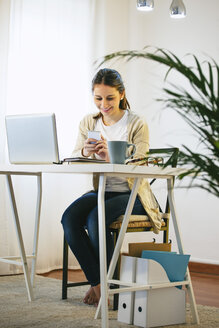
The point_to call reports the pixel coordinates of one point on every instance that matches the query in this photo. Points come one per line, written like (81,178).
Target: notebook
(32,139)
(83,159)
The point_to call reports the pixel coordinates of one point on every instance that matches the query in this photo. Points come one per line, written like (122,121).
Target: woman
(80,220)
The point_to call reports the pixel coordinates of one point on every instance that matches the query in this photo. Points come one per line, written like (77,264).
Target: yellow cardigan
(137,134)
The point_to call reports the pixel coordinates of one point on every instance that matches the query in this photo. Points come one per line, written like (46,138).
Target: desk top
(88,168)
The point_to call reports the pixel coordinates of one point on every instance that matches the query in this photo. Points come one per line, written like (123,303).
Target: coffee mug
(117,151)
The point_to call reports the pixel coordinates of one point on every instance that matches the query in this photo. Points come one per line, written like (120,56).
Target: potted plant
(199,107)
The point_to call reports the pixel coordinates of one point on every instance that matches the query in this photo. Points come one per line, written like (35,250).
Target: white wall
(198,210)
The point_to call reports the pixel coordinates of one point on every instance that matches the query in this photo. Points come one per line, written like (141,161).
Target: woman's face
(107,99)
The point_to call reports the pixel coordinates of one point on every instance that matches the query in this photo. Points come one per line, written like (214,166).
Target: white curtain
(51,52)
(50,65)
(51,49)
(4,37)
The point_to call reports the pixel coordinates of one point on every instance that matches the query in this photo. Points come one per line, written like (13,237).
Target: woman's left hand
(101,149)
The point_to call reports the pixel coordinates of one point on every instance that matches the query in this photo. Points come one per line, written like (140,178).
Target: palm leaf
(200,109)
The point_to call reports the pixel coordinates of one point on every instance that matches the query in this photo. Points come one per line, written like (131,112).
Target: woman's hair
(113,79)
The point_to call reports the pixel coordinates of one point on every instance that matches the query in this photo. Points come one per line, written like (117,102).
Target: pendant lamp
(177,9)
(145,5)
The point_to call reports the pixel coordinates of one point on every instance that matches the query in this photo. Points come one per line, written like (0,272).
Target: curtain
(49,55)
(47,50)
(4,40)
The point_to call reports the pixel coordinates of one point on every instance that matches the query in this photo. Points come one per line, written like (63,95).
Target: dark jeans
(80,224)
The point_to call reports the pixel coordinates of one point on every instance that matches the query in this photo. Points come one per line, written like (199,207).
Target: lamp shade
(177,9)
(145,5)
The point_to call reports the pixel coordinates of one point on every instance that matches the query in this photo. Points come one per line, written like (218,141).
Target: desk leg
(121,236)
(123,229)
(20,239)
(181,251)
(102,250)
(36,229)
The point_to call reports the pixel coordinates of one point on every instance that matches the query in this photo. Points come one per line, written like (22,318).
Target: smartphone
(94,135)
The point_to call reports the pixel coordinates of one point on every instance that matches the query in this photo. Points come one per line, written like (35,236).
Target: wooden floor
(205,285)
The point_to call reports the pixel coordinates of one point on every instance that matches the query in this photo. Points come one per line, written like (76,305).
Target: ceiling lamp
(177,9)
(145,5)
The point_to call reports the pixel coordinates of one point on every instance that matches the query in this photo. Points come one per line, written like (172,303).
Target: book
(83,159)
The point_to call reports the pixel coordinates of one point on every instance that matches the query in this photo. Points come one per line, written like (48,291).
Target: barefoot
(97,293)
(90,297)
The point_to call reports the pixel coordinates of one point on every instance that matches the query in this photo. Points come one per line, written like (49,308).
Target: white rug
(48,310)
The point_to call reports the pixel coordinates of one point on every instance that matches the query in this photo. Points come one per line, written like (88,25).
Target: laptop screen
(32,139)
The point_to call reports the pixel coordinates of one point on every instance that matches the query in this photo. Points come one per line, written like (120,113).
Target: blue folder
(174,264)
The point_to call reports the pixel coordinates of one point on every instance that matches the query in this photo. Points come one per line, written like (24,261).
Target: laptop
(32,139)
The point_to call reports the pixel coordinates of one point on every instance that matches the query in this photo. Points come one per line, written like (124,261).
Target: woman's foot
(91,297)
(97,293)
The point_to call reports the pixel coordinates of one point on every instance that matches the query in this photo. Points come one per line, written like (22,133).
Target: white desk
(104,170)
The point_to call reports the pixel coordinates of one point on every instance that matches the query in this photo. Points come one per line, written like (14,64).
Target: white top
(117,131)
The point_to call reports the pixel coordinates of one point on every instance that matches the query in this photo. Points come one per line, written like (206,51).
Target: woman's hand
(89,147)
(99,147)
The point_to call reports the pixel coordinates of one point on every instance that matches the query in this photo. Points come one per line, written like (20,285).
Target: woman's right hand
(89,147)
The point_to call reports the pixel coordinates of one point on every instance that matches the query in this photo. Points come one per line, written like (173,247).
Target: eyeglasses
(148,161)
